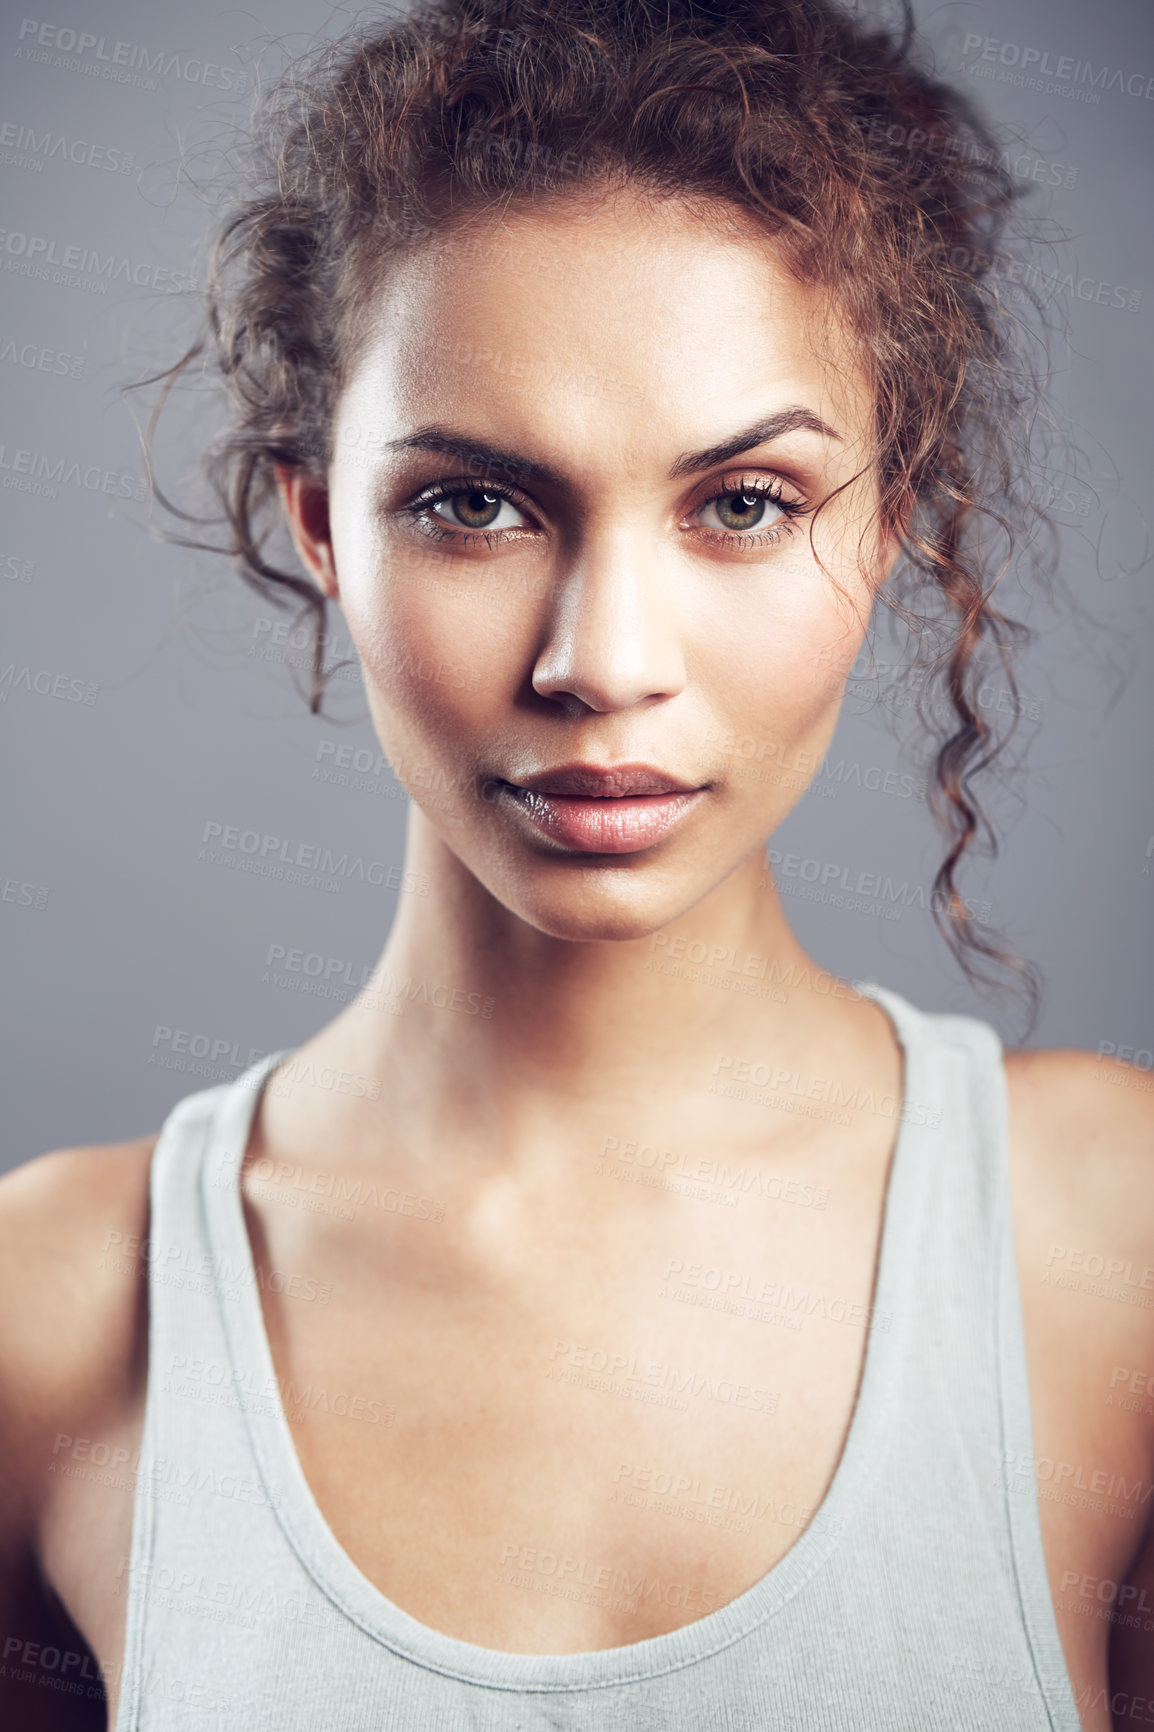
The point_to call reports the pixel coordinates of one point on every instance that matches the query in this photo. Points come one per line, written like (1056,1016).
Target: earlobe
(891,551)
(893,555)
(306,507)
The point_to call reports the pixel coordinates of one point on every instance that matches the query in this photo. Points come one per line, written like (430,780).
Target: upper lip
(605,782)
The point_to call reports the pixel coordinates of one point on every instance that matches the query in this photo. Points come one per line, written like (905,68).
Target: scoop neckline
(291,1499)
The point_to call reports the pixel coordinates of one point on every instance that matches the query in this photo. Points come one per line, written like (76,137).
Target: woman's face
(574,472)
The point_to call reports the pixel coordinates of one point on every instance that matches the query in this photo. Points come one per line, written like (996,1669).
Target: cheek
(430,637)
(413,675)
(779,671)
(434,677)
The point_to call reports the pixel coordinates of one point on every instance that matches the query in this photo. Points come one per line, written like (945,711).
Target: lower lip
(592,826)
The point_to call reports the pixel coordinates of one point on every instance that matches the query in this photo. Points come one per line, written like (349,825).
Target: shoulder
(72,1293)
(1085,1126)
(1081,1133)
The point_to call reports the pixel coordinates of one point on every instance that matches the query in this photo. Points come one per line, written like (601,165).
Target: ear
(306,507)
(891,541)
(891,553)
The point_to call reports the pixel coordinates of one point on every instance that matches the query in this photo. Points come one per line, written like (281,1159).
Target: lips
(616,783)
(616,809)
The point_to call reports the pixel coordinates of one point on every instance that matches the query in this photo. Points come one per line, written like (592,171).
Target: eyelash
(439,530)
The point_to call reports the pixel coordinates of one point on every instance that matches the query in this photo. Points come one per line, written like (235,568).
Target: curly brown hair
(879,183)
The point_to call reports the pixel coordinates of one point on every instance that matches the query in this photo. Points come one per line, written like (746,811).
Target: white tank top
(916,1598)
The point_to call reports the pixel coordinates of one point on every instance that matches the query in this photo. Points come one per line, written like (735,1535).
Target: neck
(484,1030)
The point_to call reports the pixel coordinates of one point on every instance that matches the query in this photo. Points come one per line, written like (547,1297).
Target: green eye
(740,510)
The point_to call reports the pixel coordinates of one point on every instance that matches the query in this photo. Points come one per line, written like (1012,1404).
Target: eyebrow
(763,432)
(451,444)
(794,420)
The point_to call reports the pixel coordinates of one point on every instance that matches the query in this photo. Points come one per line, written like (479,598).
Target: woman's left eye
(741,509)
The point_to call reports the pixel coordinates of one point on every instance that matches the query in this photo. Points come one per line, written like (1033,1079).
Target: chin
(602,912)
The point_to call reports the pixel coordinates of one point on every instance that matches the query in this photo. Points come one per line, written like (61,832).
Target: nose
(612,637)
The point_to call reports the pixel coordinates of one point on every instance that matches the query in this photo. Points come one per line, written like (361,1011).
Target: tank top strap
(192,1417)
(953,1088)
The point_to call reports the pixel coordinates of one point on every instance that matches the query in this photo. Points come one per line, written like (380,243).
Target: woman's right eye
(475,508)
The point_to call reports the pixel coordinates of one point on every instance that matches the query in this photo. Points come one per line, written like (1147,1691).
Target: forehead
(619,325)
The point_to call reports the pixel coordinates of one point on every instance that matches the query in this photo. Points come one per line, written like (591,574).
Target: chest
(670,1407)
(678,1424)
(480,1446)
(636,1454)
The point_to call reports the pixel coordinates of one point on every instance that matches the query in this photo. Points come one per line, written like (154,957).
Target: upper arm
(72,1336)
(72,1357)
(1132,1631)
(1082,1132)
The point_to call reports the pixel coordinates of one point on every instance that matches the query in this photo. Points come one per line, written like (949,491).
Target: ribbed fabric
(917,1598)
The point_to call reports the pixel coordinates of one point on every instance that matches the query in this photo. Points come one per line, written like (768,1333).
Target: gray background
(114,931)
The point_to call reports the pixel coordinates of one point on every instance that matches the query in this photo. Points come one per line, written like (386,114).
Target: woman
(567,1335)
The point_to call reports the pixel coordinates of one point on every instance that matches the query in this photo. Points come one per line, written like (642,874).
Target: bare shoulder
(1082,1176)
(73,1226)
(1082,1129)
